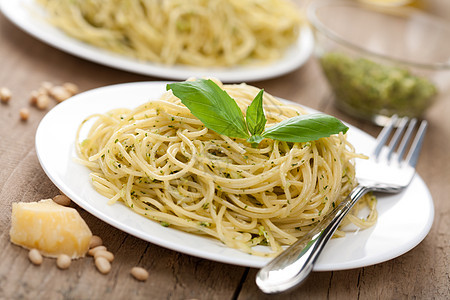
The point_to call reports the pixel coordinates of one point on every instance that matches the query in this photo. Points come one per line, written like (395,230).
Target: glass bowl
(381,61)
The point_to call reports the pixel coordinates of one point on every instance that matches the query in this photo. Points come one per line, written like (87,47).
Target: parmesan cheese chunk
(51,228)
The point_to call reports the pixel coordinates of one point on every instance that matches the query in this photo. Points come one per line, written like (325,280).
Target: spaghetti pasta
(162,162)
(196,32)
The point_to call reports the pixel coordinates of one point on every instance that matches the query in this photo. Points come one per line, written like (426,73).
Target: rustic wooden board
(422,273)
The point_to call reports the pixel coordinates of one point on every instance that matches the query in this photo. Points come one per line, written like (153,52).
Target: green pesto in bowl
(366,89)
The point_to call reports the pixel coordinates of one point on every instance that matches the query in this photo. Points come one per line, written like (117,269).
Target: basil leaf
(305,128)
(211,105)
(256,120)
(255,139)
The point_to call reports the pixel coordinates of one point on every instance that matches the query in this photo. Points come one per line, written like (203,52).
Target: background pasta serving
(199,32)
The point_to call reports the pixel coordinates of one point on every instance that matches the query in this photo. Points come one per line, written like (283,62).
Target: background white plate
(29,16)
(404,219)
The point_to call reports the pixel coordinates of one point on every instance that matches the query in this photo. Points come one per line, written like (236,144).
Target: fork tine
(384,135)
(408,134)
(416,145)
(396,137)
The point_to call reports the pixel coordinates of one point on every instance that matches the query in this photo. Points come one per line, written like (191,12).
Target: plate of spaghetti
(135,156)
(235,41)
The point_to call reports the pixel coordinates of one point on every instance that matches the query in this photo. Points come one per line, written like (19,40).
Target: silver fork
(385,171)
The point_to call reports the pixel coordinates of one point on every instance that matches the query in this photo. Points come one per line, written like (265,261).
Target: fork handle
(294,264)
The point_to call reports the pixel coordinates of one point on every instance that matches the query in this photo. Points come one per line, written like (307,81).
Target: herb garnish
(219,112)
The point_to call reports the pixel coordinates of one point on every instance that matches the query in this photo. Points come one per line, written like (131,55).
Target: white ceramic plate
(27,15)
(404,219)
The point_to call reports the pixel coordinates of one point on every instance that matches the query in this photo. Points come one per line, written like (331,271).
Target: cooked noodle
(196,32)
(163,163)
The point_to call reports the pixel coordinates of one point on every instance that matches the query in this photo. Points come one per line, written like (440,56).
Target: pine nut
(104,253)
(92,251)
(71,88)
(42,91)
(59,93)
(47,86)
(24,113)
(63,261)
(33,97)
(35,257)
(139,273)
(102,265)
(5,94)
(95,241)
(42,101)
(62,200)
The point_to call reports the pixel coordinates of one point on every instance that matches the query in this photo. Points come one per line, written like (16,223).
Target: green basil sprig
(219,112)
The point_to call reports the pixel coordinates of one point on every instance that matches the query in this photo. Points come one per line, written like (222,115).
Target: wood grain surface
(422,273)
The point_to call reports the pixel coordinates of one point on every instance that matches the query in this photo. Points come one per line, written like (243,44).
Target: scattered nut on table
(59,93)
(102,265)
(95,241)
(104,253)
(42,101)
(63,261)
(42,96)
(139,273)
(47,85)
(92,251)
(72,88)
(35,257)
(5,94)
(33,97)
(62,200)
(24,113)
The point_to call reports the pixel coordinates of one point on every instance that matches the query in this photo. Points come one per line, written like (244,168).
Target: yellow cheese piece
(51,228)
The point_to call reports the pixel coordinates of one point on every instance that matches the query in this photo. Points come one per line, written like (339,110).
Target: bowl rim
(320,26)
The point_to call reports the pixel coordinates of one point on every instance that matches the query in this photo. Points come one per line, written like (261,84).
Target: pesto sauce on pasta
(163,163)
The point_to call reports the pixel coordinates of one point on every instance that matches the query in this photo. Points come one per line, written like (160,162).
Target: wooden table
(422,273)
